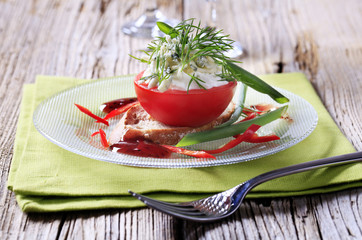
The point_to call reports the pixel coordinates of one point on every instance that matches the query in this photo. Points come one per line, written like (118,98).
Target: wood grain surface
(83,39)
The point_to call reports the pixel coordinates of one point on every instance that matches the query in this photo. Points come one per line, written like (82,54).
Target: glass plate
(63,124)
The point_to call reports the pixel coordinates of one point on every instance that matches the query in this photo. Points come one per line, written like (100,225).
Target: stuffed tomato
(192,108)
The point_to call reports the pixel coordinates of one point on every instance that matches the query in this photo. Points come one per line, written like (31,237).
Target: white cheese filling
(205,69)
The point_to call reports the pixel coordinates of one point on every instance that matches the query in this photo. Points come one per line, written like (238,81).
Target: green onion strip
(229,131)
(241,93)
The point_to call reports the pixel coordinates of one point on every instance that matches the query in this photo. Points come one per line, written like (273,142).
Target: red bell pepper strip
(92,115)
(250,116)
(103,138)
(240,138)
(120,110)
(231,130)
(261,139)
(95,133)
(198,154)
(264,107)
(259,109)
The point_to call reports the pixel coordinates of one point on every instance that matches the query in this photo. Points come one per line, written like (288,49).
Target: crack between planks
(274,211)
(317,223)
(60,228)
(357,206)
(247,215)
(333,217)
(103,6)
(280,64)
(347,228)
(81,7)
(253,215)
(130,8)
(293,213)
(239,212)
(178,229)
(280,67)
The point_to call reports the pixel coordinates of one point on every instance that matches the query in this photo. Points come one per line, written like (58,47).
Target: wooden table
(83,39)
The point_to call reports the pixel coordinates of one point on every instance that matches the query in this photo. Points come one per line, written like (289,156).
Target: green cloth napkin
(46,177)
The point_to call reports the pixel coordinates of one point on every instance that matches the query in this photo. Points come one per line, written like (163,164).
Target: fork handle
(341,159)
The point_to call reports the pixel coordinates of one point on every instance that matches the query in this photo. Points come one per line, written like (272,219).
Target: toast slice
(137,124)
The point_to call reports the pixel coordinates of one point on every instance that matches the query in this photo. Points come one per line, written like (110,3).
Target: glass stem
(212,18)
(151,6)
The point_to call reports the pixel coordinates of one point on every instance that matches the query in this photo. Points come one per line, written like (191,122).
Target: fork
(224,204)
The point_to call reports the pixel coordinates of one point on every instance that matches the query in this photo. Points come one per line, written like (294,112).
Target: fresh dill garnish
(148,77)
(197,80)
(190,46)
(196,43)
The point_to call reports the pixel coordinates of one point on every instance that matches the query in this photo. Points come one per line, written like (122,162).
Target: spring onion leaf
(239,106)
(229,131)
(254,82)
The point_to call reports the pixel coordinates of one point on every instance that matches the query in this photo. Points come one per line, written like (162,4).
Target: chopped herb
(187,47)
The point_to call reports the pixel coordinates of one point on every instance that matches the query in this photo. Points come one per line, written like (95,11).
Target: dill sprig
(197,42)
(192,45)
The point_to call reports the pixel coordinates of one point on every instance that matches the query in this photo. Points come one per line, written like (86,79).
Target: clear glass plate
(63,124)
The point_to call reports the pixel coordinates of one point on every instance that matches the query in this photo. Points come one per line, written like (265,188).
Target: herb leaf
(256,83)
(167,29)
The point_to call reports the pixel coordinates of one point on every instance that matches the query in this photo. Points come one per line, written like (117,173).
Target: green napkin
(46,177)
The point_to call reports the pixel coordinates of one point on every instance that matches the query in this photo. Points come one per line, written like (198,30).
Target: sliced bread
(137,124)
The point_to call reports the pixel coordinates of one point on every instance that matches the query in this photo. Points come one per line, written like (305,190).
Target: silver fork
(224,204)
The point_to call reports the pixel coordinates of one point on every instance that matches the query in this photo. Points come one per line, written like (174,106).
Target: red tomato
(185,109)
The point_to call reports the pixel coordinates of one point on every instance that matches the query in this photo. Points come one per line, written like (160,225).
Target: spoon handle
(330,161)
